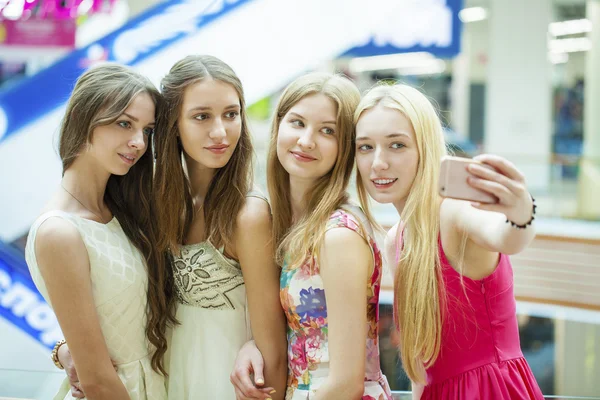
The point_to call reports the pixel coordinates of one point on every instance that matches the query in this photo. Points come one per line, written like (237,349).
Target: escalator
(267,42)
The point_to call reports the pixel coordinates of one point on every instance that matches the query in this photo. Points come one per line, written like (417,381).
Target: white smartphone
(453,181)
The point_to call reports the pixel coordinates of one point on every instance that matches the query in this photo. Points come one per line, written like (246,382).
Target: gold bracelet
(54,354)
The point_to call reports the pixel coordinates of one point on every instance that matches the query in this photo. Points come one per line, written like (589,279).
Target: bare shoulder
(252,243)
(255,214)
(345,256)
(58,243)
(57,233)
(344,240)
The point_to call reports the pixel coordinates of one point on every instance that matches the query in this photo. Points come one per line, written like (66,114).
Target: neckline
(112,220)
(212,246)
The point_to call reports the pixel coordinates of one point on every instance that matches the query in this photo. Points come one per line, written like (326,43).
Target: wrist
(517,224)
(54,354)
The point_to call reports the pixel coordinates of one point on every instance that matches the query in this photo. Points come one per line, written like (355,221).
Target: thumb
(257,367)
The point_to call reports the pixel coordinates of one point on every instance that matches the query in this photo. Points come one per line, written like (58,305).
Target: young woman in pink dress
(453,283)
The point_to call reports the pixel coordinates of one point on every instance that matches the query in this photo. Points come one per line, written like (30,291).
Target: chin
(120,172)
(382,198)
(302,173)
(218,164)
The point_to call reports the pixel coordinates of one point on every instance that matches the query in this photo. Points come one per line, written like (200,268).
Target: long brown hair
(173,194)
(419,292)
(227,190)
(329,192)
(100,97)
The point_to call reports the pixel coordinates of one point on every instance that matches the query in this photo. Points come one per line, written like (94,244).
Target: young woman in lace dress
(92,252)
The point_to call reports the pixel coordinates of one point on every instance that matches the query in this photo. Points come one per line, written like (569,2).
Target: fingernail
(272,391)
(260,381)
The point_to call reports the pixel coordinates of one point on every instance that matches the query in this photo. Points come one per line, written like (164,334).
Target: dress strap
(351,216)
(399,241)
(255,192)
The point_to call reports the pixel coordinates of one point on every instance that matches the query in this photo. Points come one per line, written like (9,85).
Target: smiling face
(387,156)
(210,123)
(307,141)
(118,146)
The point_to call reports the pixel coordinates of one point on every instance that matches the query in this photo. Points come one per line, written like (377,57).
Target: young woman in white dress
(217,231)
(88,251)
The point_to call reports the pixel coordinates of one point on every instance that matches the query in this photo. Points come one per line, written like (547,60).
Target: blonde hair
(329,192)
(419,291)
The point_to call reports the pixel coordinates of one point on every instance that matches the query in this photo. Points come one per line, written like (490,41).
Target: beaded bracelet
(525,225)
(54,354)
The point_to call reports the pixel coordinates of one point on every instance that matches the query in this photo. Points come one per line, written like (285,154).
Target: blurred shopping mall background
(519,78)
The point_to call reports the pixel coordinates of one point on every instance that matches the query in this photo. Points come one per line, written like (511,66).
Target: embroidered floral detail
(203,277)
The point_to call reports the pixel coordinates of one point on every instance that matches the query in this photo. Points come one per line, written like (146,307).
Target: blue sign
(426,25)
(154,30)
(21,303)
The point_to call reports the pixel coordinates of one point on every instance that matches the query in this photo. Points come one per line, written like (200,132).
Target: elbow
(277,358)
(97,388)
(281,363)
(93,389)
(356,390)
(276,366)
(517,243)
(350,388)
(512,248)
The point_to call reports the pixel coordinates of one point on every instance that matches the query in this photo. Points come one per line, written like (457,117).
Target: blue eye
(364,147)
(148,131)
(397,145)
(297,122)
(328,131)
(124,124)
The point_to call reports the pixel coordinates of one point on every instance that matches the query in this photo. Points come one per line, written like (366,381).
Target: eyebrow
(205,108)
(390,136)
(301,117)
(131,117)
(135,119)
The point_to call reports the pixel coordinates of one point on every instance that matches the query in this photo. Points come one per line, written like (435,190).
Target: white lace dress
(119,283)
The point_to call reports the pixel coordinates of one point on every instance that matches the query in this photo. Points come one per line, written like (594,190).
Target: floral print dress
(303,300)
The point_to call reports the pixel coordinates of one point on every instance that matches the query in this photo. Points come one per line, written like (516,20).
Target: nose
(379,161)
(218,131)
(138,140)
(306,139)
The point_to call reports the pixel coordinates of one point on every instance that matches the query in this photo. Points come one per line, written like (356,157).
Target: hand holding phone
(453,181)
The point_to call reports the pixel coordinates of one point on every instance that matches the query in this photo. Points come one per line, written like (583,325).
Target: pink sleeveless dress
(480,356)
